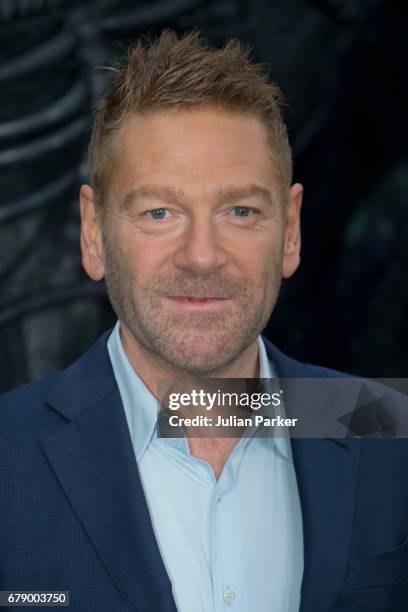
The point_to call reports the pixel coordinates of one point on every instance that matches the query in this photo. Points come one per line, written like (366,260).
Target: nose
(201,250)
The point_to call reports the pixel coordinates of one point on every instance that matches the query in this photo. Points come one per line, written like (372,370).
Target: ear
(91,235)
(291,255)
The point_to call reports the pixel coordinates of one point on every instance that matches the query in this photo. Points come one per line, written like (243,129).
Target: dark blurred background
(343,67)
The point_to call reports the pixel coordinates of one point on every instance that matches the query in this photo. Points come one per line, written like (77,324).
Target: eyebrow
(228,195)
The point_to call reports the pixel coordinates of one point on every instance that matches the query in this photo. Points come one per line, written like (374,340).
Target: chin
(200,362)
(198,368)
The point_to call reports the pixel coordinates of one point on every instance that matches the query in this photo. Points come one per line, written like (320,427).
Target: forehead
(192,150)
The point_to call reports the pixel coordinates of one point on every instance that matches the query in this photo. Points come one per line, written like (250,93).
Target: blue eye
(242,211)
(157,213)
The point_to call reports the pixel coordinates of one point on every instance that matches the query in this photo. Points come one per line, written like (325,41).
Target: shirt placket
(225,586)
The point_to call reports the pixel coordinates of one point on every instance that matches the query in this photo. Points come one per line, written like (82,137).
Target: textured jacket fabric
(73,515)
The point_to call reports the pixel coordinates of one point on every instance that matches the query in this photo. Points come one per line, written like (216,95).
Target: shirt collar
(267,370)
(140,405)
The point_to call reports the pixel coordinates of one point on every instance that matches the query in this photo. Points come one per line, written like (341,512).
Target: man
(192,220)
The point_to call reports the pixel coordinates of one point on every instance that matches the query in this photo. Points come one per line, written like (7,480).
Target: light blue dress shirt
(232,545)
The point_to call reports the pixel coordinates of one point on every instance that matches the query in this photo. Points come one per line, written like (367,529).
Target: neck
(150,367)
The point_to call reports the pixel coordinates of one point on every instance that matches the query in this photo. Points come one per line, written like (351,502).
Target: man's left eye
(243,211)
(157,213)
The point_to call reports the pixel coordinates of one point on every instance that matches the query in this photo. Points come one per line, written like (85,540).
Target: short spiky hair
(184,73)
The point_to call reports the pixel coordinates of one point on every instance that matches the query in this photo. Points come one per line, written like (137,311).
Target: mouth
(197,303)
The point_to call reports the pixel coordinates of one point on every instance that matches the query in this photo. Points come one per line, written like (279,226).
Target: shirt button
(229,595)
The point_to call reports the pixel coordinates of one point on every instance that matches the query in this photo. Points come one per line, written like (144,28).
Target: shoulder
(30,394)
(29,406)
(369,406)
(24,408)
(288,367)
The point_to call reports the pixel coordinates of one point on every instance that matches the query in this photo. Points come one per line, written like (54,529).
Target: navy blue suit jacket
(73,515)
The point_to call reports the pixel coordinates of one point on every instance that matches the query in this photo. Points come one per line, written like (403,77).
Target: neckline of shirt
(142,422)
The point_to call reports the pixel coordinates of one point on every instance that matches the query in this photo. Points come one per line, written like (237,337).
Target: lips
(194,300)
(197,302)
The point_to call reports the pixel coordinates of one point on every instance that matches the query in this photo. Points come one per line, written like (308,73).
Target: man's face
(195,241)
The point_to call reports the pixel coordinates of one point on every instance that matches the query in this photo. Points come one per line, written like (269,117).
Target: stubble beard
(195,343)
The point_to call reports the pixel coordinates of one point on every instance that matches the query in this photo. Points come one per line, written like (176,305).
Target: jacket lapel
(92,456)
(326,470)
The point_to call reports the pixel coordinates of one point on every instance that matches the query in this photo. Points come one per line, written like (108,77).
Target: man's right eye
(157,213)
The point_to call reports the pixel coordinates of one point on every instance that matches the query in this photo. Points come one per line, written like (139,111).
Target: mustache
(215,287)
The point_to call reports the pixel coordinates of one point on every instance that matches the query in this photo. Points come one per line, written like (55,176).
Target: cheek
(142,260)
(262,259)
(269,273)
